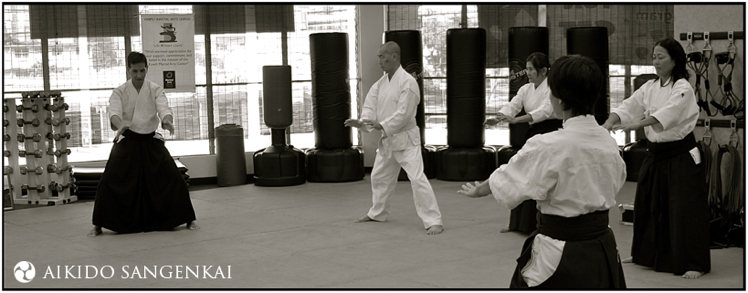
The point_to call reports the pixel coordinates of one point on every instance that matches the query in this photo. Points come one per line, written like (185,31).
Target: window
(87,68)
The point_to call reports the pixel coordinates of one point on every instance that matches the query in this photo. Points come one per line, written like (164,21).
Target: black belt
(129,134)
(663,150)
(579,228)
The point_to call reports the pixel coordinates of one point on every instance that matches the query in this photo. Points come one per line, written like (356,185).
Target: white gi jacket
(139,109)
(535,101)
(570,172)
(674,105)
(393,102)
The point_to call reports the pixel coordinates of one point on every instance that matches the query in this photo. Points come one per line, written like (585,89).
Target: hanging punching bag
(411,59)
(333,159)
(592,42)
(522,42)
(466,87)
(278,164)
(466,158)
(331,97)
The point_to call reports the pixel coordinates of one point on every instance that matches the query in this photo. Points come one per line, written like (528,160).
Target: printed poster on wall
(169,45)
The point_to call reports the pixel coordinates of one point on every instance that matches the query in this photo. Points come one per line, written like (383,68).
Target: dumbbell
(6,153)
(58,136)
(6,137)
(38,170)
(5,108)
(59,153)
(39,188)
(56,107)
(52,168)
(36,153)
(34,122)
(34,108)
(60,187)
(37,137)
(7,170)
(6,122)
(56,122)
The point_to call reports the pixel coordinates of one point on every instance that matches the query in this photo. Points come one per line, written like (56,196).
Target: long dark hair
(676,52)
(539,60)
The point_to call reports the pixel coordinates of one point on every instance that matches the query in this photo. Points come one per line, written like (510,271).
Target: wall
(371,34)
(715,18)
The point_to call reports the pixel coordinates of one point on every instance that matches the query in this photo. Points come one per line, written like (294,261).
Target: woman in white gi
(574,175)
(141,189)
(671,210)
(390,107)
(532,98)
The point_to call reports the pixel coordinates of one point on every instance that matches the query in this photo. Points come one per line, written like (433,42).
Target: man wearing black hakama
(141,189)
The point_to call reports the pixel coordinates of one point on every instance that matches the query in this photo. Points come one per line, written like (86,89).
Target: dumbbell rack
(49,179)
(10,149)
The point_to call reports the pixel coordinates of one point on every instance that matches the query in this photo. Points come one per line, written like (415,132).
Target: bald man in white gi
(390,107)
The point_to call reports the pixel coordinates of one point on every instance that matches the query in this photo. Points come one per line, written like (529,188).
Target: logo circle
(169,74)
(24,271)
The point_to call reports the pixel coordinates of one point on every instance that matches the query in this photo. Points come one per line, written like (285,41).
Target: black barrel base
(279,165)
(340,165)
(465,164)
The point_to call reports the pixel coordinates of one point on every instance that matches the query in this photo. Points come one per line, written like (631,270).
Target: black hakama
(523,217)
(671,210)
(589,260)
(141,189)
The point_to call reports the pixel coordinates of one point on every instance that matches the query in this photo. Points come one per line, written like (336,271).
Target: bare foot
(192,226)
(433,230)
(505,230)
(365,218)
(95,231)
(627,260)
(692,275)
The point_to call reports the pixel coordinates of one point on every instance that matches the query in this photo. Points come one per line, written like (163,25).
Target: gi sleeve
(369,109)
(529,174)
(162,104)
(633,108)
(543,112)
(515,105)
(407,102)
(115,104)
(676,109)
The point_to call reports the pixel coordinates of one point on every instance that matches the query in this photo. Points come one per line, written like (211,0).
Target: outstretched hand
(471,190)
(353,123)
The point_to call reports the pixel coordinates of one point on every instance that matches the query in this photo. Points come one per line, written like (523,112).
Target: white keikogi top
(535,101)
(674,105)
(139,109)
(570,172)
(393,103)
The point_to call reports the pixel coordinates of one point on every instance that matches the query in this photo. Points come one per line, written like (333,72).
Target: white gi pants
(384,179)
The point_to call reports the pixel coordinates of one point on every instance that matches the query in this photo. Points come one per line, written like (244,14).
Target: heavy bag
(466,87)
(593,42)
(331,97)
(276,96)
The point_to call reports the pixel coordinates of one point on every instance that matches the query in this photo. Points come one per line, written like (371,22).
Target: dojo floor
(305,237)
